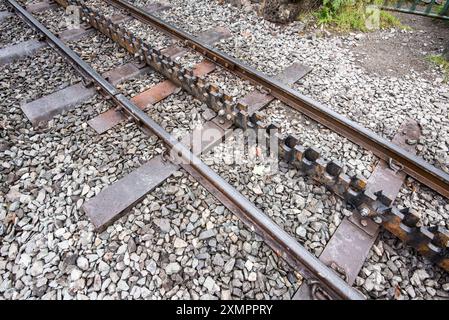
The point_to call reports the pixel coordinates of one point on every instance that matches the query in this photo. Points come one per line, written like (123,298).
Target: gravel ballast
(14,31)
(180,242)
(177,243)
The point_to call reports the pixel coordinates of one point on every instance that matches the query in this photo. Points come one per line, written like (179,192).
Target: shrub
(348,15)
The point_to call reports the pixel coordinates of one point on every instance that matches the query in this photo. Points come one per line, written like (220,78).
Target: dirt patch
(398,52)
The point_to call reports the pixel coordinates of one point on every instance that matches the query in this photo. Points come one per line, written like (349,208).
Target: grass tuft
(347,15)
(387,20)
(441,62)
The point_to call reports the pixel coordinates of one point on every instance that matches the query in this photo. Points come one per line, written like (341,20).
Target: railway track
(365,196)
(412,165)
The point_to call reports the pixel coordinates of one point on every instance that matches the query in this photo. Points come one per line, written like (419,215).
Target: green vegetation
(440,61)
(437,8)
(387,20)
(346,15)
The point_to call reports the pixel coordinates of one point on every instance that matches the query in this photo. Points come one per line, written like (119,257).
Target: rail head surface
(292,251)
(413,165)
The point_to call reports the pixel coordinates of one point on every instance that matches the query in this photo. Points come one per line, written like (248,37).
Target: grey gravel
(179,242)
(100,52)
(14,30)
(394,271)
(172,268)
(54,20)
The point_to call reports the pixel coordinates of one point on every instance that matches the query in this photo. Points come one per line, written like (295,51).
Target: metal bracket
(395,166)
(364,223)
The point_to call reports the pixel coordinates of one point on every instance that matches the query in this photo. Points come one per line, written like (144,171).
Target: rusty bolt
(377,220)
(364,212)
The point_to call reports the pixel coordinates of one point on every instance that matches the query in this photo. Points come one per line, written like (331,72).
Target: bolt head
(364,212)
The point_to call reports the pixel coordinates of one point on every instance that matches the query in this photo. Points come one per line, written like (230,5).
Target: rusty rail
(278,239)
(414,166)
(370,202)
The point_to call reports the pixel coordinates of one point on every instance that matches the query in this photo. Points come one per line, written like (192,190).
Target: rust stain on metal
(113,202)
(154,94)
(155,7)
(162,90)
(200,143)
(74,34)
(348,248)
(106,120)
(120,18)
(174,51)
(203,68)
(365,224)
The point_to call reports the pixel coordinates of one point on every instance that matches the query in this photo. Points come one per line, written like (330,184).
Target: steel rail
(294,253)
(419,13)
(411,164)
